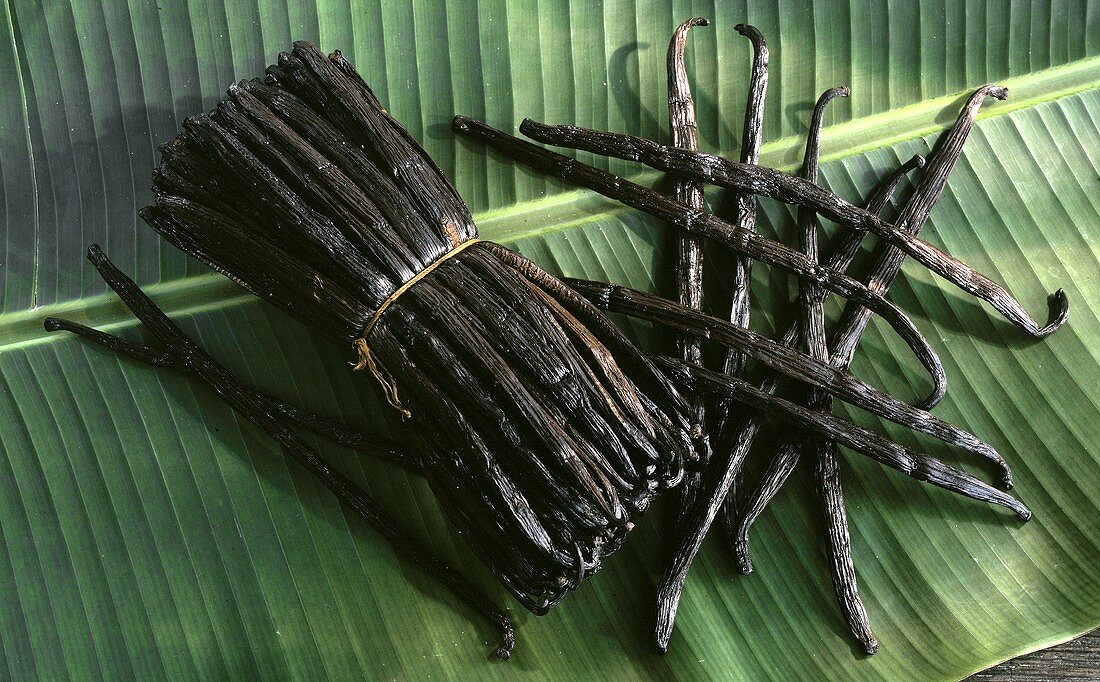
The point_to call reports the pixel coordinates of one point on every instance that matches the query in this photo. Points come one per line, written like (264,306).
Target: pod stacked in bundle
(543,431)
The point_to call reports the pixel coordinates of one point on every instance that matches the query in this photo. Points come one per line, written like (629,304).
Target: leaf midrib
(575,208)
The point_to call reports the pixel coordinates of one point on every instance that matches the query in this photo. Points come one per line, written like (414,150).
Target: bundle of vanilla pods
(538,444)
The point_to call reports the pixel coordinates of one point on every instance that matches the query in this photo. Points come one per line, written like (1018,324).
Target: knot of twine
(367,359)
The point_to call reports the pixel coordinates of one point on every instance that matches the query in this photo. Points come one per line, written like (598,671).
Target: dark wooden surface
(1076,660)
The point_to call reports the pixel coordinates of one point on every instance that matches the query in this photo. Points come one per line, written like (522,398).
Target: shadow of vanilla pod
(542,430)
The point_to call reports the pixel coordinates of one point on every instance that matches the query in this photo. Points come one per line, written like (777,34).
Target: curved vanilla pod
(749,243)
(791,190)
(823,451)
(914,214)
(811,297)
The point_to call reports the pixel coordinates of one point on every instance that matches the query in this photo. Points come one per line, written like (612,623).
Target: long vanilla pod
(752,136)
(689,266)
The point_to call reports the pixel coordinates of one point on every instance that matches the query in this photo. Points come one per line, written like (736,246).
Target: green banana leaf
(148,532)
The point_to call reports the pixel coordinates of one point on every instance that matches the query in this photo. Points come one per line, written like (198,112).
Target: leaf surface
(149,532)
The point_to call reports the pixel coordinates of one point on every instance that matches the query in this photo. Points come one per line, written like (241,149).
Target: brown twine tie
(367,358)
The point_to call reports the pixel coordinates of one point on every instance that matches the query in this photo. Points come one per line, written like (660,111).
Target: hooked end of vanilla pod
(939,378)
(1059,314)
(750,32)
(508,643)
(996,91)
(977,98)
(693,22)
(96,255)
(744,564)
(870,645)
(460,123)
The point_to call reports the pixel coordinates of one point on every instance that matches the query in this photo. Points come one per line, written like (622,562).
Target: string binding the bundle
(366,358)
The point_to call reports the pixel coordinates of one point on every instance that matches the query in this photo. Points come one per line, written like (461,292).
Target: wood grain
(1076,660)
